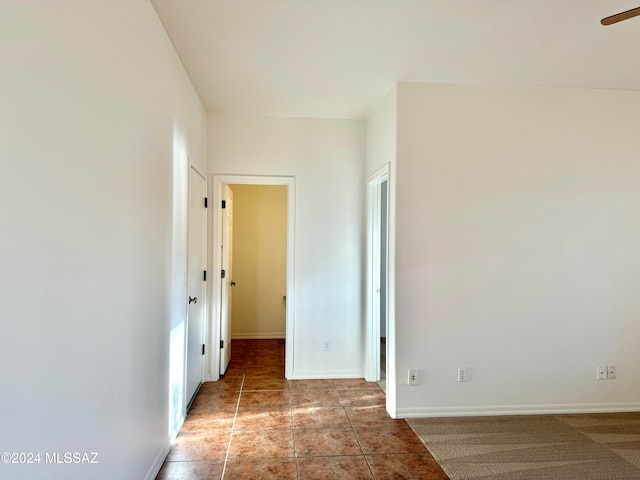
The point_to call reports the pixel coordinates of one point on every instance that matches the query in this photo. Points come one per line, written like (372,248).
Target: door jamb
(217,184)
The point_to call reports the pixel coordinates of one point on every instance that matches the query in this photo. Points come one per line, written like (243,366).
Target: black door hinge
(206,202)
(221,343)
(203,349)
(223,274)
(204,277)
(224,204)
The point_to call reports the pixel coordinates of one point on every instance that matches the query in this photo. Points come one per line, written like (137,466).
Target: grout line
(359,444)
(233,424)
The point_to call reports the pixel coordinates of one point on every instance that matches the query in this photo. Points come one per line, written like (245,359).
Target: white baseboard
(500,410)
(326,375)
(258,336)
(162,456)
(158,462)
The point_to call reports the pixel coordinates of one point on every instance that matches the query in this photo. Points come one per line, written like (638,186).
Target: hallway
(254,424)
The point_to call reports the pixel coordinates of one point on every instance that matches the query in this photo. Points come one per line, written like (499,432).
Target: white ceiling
(338,58)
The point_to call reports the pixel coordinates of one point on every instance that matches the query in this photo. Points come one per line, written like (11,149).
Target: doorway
(379,328)
(223,286)
(383,233)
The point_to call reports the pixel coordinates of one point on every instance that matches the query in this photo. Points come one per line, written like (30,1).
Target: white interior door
(227,278)
(195,284)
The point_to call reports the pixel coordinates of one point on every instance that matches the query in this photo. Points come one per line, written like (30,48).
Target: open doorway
(264,308)
(383,213)
(378,347)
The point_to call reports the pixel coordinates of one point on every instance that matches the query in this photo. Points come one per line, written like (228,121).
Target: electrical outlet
(326,345)
(611,372)
(412,378)
(601,372)
(463,374)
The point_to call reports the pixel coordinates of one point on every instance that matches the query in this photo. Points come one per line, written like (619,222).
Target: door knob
(193,300)
(232,283)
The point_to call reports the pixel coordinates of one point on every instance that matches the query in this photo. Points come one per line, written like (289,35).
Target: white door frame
(217,184)
(372,329)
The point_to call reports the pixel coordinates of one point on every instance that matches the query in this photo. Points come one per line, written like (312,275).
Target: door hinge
(204,277)
(223,274)
(203,348)
(221,343)
(224,204)
(206,202)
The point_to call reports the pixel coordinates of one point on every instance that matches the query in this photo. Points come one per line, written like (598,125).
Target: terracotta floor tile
(320,417)
(261,469)
(263,419)
(394,439)
(298,429)
(266,370)
(214,402)
(252,382)
(361,397)
(266,399)
(235,370)
(211,421)
(311,384)
(197,470)
(323,442)
(314,398)
(334,468)
(262,444)
(370,416)
(343,383)
(225,384)
(406,466)
(200,446)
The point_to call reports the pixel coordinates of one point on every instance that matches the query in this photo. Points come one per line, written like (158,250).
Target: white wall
(382,133)
(327,158)
(95,110)
(259,261)
(517,248)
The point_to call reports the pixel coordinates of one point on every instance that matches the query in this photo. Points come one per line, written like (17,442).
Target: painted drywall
(97,122)
(259,261)
(327,158)
(382,133)
(517,249)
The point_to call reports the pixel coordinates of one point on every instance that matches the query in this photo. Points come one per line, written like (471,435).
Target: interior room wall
(259,261)
(327,159)
(517,249)
(98,121)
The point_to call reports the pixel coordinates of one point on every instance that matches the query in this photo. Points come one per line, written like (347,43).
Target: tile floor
(254,424)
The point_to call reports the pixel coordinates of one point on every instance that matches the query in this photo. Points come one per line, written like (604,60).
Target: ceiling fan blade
(620,16)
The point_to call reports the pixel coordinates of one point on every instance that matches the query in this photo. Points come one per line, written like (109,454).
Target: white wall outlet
(412,377)
(463,374)
(326,345)
(611,372)
(601,372)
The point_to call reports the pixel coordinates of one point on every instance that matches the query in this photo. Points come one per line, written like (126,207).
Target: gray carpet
(538,447)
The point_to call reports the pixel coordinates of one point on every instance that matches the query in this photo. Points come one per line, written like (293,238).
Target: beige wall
(259,261)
